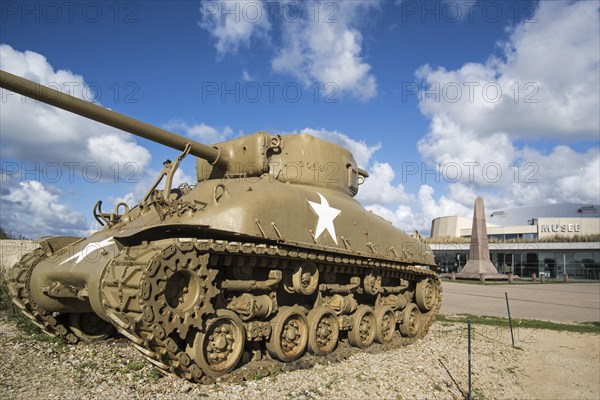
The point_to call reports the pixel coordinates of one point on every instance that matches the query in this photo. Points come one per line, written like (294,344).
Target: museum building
(549,239)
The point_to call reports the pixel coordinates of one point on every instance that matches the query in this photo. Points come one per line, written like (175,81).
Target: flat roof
(538,246)
(525,214)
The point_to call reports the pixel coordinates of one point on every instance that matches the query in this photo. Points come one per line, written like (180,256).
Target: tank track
(53,324)
(135,296)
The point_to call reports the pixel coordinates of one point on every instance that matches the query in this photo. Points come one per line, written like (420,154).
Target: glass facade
(451,260)
(524,262)
(513,236)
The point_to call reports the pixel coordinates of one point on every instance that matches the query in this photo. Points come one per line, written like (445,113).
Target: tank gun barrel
(97,113)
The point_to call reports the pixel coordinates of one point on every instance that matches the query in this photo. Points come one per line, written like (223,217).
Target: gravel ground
(34,366)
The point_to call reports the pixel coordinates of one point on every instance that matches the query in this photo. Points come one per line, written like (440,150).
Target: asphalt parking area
(568,302)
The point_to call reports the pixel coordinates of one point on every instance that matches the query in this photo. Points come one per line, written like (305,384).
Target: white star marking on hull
(89,249)
(326,216)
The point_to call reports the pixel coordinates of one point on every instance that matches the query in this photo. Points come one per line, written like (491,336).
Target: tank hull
(260,210)
(297,262)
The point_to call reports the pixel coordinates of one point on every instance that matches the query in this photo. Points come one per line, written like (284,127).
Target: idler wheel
(411,323)
(220,348)
(323,330)
(363,329)
(89,327)
(385,324)
(426,294)
(289,334)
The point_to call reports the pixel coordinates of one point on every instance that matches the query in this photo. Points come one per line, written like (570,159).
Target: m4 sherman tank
(267,256)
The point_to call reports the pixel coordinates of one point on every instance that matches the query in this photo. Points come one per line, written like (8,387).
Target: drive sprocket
(177,291)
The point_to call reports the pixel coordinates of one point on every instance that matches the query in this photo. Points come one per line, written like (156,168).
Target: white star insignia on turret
(326,216)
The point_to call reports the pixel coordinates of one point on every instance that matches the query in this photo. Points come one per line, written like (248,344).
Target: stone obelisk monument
(479,252)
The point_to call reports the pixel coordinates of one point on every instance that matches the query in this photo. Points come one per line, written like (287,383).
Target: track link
(52,324)
(126,291)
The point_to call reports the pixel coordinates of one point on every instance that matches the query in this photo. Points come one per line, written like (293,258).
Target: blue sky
(346,71)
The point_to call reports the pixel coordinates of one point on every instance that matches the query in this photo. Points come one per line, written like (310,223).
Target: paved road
(553,302)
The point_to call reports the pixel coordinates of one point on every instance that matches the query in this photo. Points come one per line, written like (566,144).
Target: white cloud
(202,132)
(246,77)
(379,187)
(472,142)
(320,40)
(34,131)
(559,55)
(328,48)
(418,214)
(430,208)
(144,183)
(112,149)
(563,175)
(32,210)
(546,83)
(43,136)
(181,177)
(232,24)
(360,149)
(461,155)
(128,198)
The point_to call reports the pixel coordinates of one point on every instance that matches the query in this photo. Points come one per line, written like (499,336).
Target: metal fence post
(509,320)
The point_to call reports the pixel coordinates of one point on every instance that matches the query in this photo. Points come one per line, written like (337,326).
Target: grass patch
(550,239)
(587,327)
(592,323)
(516,281)
(83,369)
(5,302)
(477,394)
(154,375)
(135,366)
(14,314)
(89,365)
(258,375)
(45,338)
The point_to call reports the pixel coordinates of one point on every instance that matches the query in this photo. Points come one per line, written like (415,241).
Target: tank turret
(267,256)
